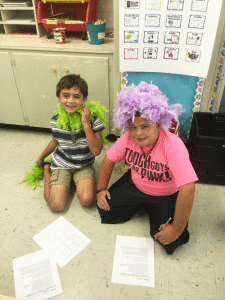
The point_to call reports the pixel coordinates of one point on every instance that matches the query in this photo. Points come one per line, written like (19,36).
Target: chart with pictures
(169,36)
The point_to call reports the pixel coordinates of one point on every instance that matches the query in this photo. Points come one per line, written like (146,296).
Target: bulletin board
(218,82)
(183,89)
(168,36)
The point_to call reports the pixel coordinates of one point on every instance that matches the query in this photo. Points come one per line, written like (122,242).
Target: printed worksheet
(131,20)
(151,37)
(153,4)
(199,5)
(173,21)
(131,36)
(131,53)
(62,241)
(171,37)
(194,38)
(36,276)
(134,261)
(150,52)
(152,20)
(132,4)
(197,21)
(175,4)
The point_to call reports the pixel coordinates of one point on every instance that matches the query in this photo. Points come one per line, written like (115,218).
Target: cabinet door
(10,106)
(95,70)
(37,76)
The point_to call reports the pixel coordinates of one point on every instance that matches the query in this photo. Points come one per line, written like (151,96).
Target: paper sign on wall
(171,36)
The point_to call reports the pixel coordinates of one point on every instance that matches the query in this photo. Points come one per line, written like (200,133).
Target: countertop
(72,44)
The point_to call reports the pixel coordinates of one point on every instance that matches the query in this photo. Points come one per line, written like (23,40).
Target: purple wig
(149,102)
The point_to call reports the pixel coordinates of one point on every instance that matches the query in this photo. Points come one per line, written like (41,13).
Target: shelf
(19,20)
(16,8)
(68,1)
(18,23)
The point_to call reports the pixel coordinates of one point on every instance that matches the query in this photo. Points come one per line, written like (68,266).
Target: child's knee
(85,200)
(56,205)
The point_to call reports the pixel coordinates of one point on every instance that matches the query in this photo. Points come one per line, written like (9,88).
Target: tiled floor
(195,271)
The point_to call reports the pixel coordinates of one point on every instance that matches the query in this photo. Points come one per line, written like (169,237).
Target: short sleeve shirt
(72,151)
(160,173)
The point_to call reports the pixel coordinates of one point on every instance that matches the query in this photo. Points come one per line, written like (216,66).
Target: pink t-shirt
(163,171)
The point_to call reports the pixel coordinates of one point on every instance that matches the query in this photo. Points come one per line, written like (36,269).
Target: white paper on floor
(36,276)
(61,240)
(134,261)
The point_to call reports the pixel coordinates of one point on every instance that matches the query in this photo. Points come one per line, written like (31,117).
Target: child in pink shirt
(161,177)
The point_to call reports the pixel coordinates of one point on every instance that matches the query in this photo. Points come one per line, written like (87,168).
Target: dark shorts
(126,200)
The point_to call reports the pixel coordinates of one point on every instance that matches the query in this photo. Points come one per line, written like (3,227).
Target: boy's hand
(167,235)
(39,162)
(85,115)
(101,200)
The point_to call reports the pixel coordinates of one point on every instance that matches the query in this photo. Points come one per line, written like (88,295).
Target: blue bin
(96,33)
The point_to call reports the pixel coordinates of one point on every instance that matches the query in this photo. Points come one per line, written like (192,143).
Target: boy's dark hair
(70,81)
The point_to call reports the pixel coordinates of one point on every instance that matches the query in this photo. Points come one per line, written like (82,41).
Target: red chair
(175,128)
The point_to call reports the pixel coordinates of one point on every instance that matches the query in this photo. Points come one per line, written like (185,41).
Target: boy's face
(143,133)
(71,99)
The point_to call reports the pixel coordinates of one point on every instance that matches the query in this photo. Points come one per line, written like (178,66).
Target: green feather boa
(73,121)
(36,174)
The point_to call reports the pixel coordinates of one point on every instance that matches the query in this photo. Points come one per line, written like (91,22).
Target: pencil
(166,224)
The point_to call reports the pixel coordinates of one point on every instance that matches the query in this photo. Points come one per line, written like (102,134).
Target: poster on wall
(168,36)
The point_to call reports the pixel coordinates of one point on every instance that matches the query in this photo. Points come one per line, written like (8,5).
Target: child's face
(71,99)
(143,133)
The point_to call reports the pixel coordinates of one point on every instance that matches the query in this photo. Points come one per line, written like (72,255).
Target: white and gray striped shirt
(72,151)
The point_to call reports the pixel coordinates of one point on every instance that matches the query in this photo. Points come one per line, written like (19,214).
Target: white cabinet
(37,77)
(10,107)
(37,74)
(95,70)
(19,18)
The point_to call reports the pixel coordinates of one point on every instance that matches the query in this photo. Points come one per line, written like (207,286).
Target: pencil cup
(96,33)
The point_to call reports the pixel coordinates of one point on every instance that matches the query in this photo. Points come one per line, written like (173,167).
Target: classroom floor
(196,271)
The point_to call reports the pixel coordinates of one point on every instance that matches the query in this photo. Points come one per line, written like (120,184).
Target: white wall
(105,12)
(213,68)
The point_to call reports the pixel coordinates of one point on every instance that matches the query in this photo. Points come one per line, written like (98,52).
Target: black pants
(126,200)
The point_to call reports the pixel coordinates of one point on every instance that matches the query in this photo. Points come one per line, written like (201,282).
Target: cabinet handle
(53,69)
(66,69)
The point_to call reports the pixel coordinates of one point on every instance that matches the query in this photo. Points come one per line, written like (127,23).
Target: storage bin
(81,13)
(207,147)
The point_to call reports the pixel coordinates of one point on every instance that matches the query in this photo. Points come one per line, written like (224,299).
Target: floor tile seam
(215,277)
(191,295)
(107,278)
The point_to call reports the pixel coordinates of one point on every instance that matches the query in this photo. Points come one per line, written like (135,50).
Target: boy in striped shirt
(73,151)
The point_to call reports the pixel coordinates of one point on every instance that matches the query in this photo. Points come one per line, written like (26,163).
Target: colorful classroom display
(168,36)
(218,79)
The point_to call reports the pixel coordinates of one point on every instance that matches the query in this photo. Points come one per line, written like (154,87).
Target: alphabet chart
(168,36)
